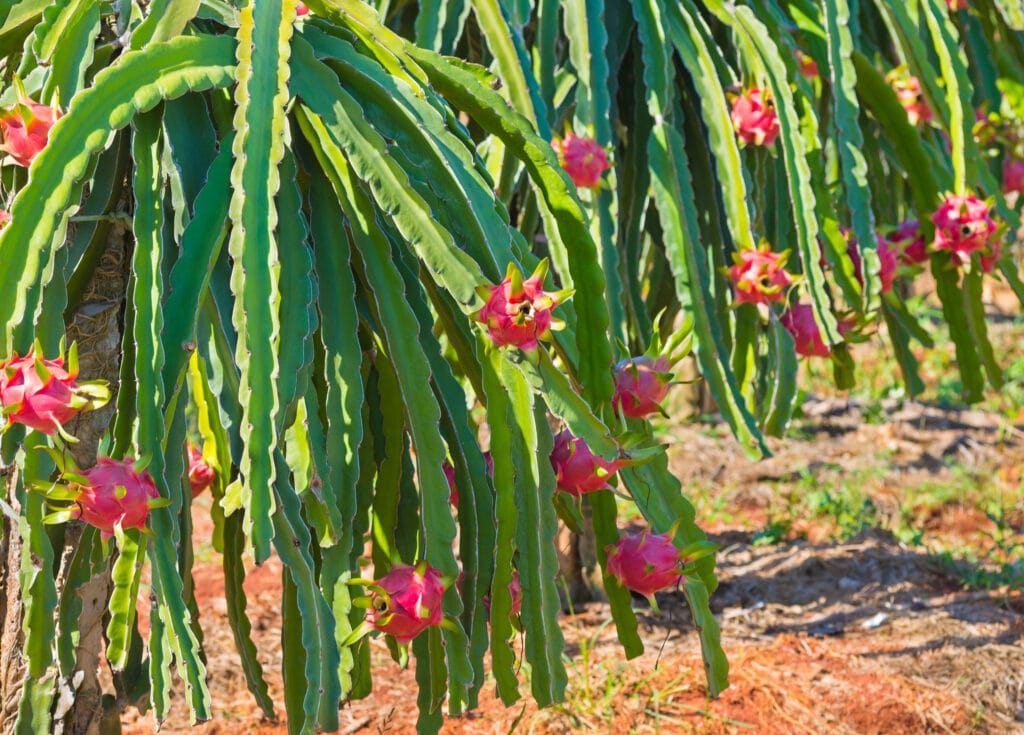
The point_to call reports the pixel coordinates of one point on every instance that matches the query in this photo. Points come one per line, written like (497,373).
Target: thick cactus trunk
(12,665)
(578,565)
(97,328)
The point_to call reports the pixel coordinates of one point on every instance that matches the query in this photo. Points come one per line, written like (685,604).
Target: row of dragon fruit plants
(518,314)
(42,393)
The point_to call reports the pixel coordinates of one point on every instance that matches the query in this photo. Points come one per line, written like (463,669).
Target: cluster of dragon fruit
(116,495)
(963,224)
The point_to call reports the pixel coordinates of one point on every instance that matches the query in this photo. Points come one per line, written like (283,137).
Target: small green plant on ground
(778,530)
(997,563)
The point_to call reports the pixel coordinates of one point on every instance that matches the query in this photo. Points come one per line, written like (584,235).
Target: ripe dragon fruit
(908,92)
(5,218)
(963,225)
(988,128)
(26,127)
(407,600)
(645,562)
(577,469)
(582,158)
(302,10)
(1013,175)
(955,5)
(516,590)
(517,312)
(760,276)
(43,395)
(808,66)
(887,260)
(200,474)
(799,322)
(754,117)
(116,493)
(449,473)
(909,243)
(641,384)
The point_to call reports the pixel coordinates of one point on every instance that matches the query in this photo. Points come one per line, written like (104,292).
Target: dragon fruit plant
(329,258)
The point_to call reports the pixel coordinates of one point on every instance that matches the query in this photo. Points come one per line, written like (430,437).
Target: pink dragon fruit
(641,384)
(799,322)
(643,381)
(43,395)
(516,590)
(760,275)
(1013,175)
(963,225)
(5,218)
(909,243)
(955,5)
(888,258)
(407,600)
(517,312)
(582,158)
(26,128)
(808,66)
(577,469)
(754,117)
(908,92)
(200,474)
(116,494)
(988,127)
(302,10)
(645,562)
(449,473)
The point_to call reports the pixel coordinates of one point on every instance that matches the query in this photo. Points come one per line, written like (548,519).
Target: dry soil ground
(864,634)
